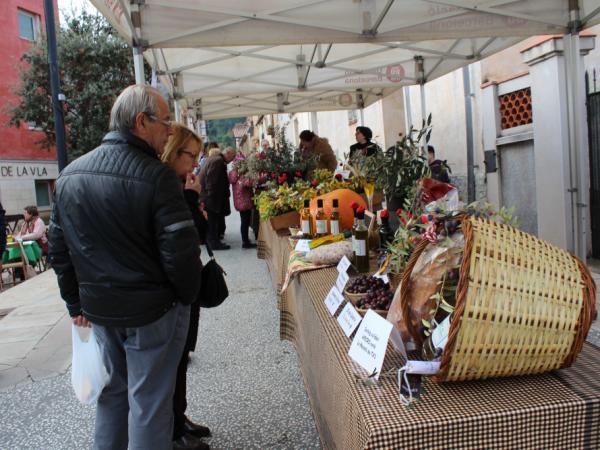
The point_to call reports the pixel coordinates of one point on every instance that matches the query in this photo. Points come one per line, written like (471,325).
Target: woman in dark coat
(363,143)
(181,154)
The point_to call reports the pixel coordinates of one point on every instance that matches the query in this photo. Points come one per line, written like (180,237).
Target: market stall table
(13,252)
(560,409)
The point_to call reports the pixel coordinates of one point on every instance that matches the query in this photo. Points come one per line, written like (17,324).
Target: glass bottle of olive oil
(320,220)
(360,235)
(334,218)
(306,221)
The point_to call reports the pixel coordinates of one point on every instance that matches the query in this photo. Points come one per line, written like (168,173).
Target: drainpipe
(577,144)
(469,123)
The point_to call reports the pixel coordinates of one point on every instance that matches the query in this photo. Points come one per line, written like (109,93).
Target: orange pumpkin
(345,197)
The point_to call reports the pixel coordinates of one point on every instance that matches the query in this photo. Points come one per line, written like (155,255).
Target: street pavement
(243,382)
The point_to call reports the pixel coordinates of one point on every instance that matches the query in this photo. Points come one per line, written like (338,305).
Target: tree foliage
(95,66)
(220,131)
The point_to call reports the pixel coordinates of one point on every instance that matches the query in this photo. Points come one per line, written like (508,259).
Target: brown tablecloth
(558,410)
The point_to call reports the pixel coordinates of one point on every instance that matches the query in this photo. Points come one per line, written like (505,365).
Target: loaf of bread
(424,282)
(330,254)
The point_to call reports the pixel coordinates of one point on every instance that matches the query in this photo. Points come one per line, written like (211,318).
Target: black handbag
(213,290)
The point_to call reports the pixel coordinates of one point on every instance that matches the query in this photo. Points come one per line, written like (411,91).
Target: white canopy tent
(226,58)
(232,58)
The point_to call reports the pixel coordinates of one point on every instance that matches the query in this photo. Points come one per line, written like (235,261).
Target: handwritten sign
(333,300)
(341,281)
(303,245)
(369,345)
(349,319)
(344,264)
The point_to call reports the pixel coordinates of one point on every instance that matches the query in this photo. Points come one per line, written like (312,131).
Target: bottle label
(335,226)
(306,227)
(321,226)
(359,246)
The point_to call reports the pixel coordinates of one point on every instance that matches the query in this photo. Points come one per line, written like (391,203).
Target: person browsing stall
(181,154)
(33,228)
(126,254)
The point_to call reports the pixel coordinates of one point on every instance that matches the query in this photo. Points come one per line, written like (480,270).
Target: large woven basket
(523,306)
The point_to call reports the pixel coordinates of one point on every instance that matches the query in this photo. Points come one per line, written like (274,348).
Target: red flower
(273,174)
(281,179)
(384,214)
(314,182)
(298,173)
(284,175)
(260,156)
(354,205)
(403,216)
(339,176)
(360,209)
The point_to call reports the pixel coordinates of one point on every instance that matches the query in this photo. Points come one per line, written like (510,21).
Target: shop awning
(236,58)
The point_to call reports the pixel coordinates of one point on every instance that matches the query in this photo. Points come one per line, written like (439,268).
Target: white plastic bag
(88,374)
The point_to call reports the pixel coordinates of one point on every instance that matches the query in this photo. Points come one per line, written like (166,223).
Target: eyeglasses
(190,154)
(166,123)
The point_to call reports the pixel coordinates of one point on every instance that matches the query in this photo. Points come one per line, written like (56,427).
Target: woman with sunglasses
(181,154)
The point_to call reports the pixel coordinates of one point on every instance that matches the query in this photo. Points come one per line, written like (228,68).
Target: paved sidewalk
(35,336)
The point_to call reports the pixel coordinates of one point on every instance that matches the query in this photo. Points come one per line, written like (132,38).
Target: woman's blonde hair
(177,141)
(214,151)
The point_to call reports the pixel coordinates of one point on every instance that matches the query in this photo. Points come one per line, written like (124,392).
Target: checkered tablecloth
(558,410)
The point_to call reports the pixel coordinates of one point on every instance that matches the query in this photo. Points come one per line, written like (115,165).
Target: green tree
(95,65)
(220,131)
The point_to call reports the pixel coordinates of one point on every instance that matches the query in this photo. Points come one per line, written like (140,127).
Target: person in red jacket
(243,192)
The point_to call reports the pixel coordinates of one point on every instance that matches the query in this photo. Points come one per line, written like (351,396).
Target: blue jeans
(135,409)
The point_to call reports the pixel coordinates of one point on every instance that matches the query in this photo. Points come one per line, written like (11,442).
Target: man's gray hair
(132,101)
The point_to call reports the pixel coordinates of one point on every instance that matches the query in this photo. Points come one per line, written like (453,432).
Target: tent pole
(314,123)
(138,65)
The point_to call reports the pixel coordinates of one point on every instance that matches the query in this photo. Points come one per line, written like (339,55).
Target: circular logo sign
(395,74)
(345,100)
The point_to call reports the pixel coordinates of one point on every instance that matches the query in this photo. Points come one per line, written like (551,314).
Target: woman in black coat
(363,143)
(181,154)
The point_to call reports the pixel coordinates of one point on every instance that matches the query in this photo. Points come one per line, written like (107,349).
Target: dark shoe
(220,246)
(248,245)
(189,442)
(195,429)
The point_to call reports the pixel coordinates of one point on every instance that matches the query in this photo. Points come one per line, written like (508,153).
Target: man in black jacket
(126,254)
(215,195)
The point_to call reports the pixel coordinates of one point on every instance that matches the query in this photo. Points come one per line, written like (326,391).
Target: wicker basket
(523,306)
(287,220)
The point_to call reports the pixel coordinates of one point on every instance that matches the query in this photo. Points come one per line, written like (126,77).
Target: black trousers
(246,219)
(180,394)
(215,222)
(179,397)
(255,222)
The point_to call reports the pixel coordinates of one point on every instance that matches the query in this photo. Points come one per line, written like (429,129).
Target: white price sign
(341,281)
(344,264)
(349,319)
(370,343)
(333,300)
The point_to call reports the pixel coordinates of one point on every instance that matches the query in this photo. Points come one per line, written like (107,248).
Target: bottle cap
(320,203)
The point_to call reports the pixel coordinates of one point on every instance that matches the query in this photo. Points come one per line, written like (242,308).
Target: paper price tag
(344,264)
(333,300)
(341,281)
(422,367)
(370,343)
(303,245)
(349,319)
(384,277)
